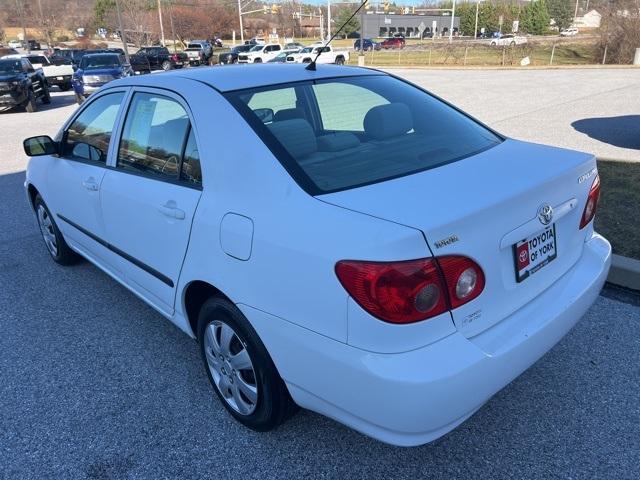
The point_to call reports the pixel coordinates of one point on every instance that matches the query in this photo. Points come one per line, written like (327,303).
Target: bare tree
(620,31)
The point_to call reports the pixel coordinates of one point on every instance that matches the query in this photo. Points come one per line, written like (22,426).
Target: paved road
(94,384)
(594,110)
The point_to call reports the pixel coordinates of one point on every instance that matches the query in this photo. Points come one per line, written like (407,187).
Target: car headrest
(335,142)
(288,114)
(388,121)
(296,135)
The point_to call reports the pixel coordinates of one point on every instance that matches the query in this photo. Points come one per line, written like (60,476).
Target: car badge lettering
(446,241)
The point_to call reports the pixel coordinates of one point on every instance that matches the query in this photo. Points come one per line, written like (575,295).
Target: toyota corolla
(336,239)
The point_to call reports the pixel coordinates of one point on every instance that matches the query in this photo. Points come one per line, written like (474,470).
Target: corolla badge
(545,214)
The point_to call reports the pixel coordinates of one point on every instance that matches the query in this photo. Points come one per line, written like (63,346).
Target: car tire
(255,395)
(257,60)
(339,60)
(30,106)
(166,66)
(46,97)
(53,239)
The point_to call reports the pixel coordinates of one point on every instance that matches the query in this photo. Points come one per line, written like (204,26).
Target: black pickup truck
(161,59)
(21,84)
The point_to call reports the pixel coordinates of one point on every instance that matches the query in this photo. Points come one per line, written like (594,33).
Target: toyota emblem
(545,214)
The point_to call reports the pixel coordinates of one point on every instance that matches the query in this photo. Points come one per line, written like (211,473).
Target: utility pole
(240,16)
(361,54)
(173,32)
(453,14)
(328,19)
(575,15)
(475,32)
(20,5)
(44,24)
(161,25)
(122,34)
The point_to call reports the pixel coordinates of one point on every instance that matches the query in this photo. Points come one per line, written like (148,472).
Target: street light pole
(240,16)
(328,19)
(475,32)
(161,25)
(453,14)
(122,34)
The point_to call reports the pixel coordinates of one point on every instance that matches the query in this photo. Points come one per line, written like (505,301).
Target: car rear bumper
(414,397)
(59,80)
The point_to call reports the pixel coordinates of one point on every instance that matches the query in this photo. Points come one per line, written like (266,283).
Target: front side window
(353,131)
(154,136)
(88,136)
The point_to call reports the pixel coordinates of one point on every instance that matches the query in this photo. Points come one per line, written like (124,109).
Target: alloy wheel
(231,367)
(48,233)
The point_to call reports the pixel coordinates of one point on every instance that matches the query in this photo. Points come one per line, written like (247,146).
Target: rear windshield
(110,60)
(342,133)
(194,45)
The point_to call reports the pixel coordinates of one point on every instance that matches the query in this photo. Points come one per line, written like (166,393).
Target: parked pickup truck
(199,52)
(21,84)
(161,59)
(58,75)
(328,55)
(260,53)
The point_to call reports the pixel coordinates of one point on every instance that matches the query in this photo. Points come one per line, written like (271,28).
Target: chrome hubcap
(48,233)
(231,367)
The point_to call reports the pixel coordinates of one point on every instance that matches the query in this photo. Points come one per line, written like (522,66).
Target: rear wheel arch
(196,293)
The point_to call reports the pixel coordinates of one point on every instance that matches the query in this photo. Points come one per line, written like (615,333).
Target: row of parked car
(289,53)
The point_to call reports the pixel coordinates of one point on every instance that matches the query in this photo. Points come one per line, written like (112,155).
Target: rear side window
(154,136)
(88,136)
(190,171)
(354,131)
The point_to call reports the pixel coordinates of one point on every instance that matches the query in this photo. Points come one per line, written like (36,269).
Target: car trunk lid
(480,207)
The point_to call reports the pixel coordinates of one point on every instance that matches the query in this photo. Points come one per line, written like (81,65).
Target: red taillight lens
(174,57)
(413,290)
(464,279)
(592,203)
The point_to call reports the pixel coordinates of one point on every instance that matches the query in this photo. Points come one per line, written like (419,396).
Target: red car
(395,42)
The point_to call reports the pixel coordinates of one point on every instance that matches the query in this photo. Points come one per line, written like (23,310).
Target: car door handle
(170,210)
(90,184)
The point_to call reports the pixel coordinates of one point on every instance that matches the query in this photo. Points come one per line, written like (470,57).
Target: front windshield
(99,61)
(10,66)
(341,133)
(257,48)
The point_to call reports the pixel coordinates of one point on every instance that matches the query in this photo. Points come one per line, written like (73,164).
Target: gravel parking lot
(95,384)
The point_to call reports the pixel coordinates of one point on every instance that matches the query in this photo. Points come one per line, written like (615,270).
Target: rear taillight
(413,290)
(174,57)
(592,203)
(464,279)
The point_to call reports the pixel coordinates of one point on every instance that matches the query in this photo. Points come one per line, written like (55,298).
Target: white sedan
(333,246)
(508,40)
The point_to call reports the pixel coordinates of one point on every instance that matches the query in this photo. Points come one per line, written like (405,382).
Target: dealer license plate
(59,78)
(535,252)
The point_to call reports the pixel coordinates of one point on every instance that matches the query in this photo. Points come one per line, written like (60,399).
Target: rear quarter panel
(297,239)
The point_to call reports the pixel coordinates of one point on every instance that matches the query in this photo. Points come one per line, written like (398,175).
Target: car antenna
(312,65)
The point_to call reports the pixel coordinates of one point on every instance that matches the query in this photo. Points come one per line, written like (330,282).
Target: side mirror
(264,114)
(40,145)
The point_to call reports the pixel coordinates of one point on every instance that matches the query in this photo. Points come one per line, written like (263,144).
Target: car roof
(240,77)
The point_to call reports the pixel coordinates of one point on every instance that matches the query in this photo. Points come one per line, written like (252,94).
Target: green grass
(618,215)
(461,54)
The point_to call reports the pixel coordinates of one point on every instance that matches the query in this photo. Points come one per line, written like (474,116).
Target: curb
(625,272)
